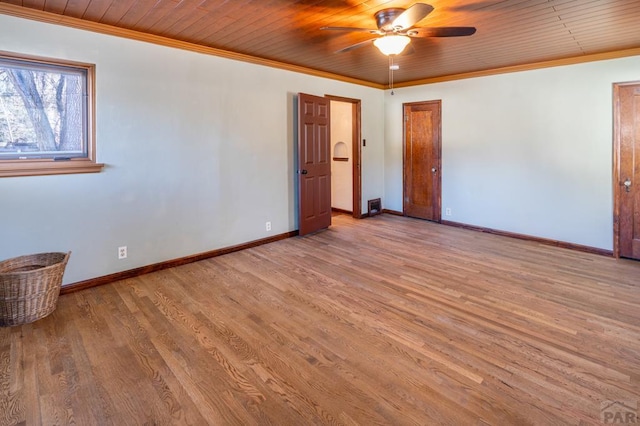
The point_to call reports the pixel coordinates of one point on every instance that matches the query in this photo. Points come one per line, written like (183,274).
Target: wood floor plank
(386,320)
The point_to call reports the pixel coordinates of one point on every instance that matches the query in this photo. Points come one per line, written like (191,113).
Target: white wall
(199,153)
(342,171)
(527,152)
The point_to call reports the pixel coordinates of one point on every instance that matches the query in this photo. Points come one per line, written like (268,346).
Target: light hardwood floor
(385,320)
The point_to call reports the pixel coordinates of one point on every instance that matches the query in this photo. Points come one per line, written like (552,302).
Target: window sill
(9,168)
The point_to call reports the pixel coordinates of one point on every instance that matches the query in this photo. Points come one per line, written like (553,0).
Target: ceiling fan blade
(442,32)
(409,50)
(355,46)
(412,16)
(355,29)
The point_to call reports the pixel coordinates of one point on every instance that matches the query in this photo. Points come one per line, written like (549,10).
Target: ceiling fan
(395,25)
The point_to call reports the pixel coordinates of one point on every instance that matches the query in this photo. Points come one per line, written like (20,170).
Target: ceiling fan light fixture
(392,44)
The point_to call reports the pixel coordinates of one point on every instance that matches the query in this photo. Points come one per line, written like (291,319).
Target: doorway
(626,170)
(346,176)
(422,160)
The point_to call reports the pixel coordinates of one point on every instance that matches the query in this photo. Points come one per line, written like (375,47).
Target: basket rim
(64,260)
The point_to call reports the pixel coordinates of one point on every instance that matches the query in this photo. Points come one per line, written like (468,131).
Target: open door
(627,170)
(314,163)
(422,153)
(356,155)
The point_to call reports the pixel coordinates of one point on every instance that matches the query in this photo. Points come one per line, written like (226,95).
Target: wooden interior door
(627,172)
(314,166)
(422,151)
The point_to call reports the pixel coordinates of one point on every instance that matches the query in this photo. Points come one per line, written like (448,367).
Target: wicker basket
(30,286)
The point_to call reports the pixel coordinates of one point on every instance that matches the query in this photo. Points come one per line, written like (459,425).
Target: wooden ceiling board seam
(265,35)
(597,46)
(540,55)
(520,25)
(159,12)
(368,63)
(33,4)
(56,6)
(215,5)
(115,11)
(503,37)
(499,34)
(604,27)
(627,33)
(312,25)
(512,16)
(501,54)
(74,8)
(95,13)
(138,10)
(520,42)
(177,14)
(597,23)
(516,19)
(192,32)
(601,10)
(222,19)
(225,7)
(268,45)
(183,23)
(509,48)
(239,9)
(494,55)
(535,8)
(185,15)
(362,17)
(284,42)
(248,29)
(574,4)
(353,38)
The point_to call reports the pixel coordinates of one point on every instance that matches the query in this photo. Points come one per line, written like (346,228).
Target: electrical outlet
(447,211)
(122,252)
(268,226)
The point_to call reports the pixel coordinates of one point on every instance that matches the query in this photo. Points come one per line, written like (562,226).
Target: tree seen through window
(42,110)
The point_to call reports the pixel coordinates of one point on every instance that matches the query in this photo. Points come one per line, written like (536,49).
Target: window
(46,117)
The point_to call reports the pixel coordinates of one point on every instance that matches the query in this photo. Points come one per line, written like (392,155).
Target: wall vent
(375,207)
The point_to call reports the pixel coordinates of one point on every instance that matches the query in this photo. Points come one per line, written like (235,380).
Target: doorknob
(303,172)
(433,170)
(627,185)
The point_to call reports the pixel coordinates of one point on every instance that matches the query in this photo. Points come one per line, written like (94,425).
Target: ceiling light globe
(392,44)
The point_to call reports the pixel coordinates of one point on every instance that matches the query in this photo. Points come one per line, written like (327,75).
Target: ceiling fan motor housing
(385,18)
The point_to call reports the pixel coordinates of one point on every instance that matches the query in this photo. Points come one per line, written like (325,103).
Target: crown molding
(525,67)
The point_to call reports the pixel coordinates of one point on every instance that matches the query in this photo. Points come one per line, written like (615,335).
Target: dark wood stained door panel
(314,166)
(628,191)
(422,148)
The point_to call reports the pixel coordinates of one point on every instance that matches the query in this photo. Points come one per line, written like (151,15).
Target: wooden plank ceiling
(509,32)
